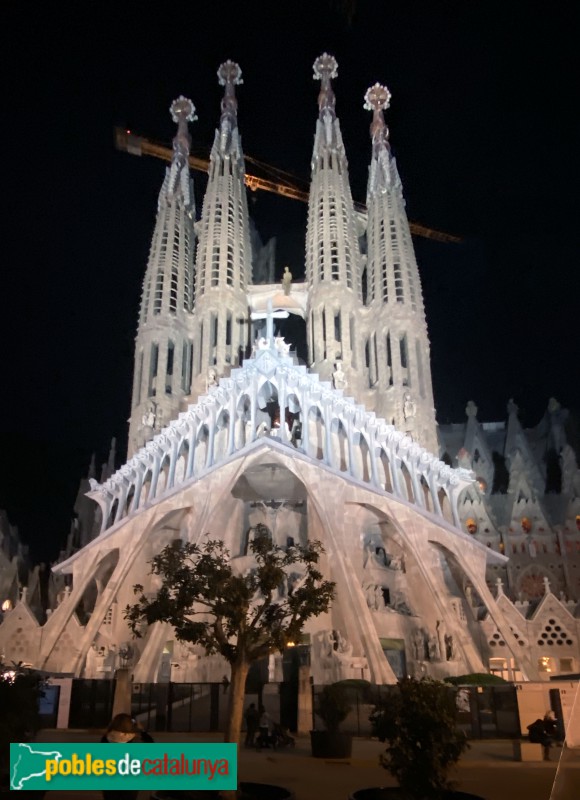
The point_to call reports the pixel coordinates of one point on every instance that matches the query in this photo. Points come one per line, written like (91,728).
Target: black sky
(483,124)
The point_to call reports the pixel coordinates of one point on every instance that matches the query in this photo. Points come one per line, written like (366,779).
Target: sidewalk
(487,769)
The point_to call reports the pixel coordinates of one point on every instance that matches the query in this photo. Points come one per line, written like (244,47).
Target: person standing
(123,729)
(252,717)
(266,726)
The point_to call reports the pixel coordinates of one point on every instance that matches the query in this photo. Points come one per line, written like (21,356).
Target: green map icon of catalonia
(28,763)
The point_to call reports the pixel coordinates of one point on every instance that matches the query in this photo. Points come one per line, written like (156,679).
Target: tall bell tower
(395,329)
(332,246)
(162,375)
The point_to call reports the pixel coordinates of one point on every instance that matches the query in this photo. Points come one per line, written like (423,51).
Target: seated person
(538,734)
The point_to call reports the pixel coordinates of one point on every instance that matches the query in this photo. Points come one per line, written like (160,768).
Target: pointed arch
(384,469)
(113,512)
(201,446)
(129,500)
(339,446)
(163,479)
(222,427)
(361,468)
(316,433)
(428,500)
(406,483)
(95,586)
(243,415)
(145,488)
(181,464)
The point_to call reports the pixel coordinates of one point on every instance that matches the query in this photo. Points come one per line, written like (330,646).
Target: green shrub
(20,691)
(418,722)
(476,679)
(333,705)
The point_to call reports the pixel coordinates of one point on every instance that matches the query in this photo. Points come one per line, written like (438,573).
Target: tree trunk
(236,708)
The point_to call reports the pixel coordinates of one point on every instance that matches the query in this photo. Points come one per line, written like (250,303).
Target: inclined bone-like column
(363,635)
(472,560)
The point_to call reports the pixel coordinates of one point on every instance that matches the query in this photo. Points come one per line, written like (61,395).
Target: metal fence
(363,698)
(180,706)
(488,712)
(91,704)
(484,712)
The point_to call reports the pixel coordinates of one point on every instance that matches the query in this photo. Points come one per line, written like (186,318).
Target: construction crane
(129,142)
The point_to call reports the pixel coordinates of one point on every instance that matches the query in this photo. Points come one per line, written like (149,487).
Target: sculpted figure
(371,595)
(434,653)
(148,418)
(211,378)
(379,598)
(396,563)
(339,380)
(342,646)
(281,346)
(409,407)
(287,281)
(419,645)
(327,644)
(449,648)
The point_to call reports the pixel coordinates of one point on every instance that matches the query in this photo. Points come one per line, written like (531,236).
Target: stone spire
(377,99)
(325,67)
(163,348)
(229,76)
(332,246)
(223,263)
(394,330)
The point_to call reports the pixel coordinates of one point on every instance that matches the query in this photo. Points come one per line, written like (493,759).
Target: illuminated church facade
(455,549)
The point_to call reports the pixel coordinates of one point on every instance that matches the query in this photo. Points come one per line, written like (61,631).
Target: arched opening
(129,500)
(361,457)
(201,446)
(222,427)
(339,440)
(181,465)
(163,478)
(243,414)
(95,587)
(384,471)
(145,489)
(427,499)
(315,433)
(113,512)
(445,505)
(294,419)
(268,402)
(406,482)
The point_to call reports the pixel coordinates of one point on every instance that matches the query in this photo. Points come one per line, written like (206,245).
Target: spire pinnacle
(325,67)
(182,111)
(377,99)
(229,75)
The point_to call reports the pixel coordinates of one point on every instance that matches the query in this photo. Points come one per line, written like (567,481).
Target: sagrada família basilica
(455,549)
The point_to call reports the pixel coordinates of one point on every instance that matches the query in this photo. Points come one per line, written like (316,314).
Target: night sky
(483,125)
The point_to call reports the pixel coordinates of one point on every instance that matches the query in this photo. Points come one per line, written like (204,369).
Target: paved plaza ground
(488,769)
